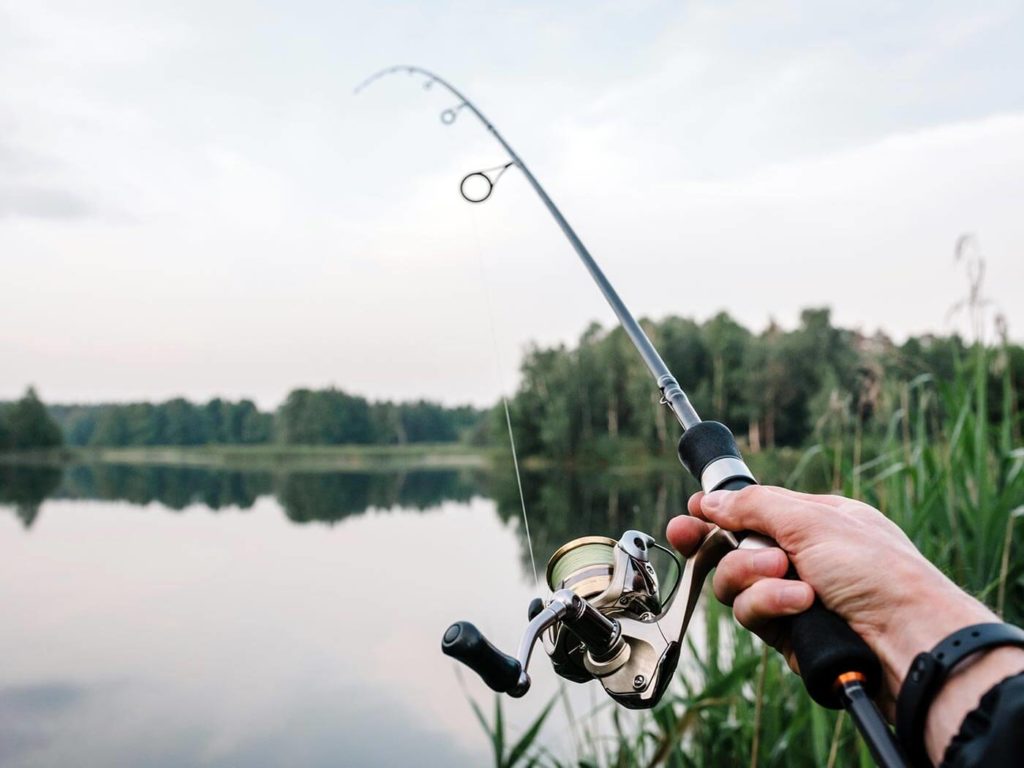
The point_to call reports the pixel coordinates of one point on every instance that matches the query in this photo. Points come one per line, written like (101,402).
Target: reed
(947,465)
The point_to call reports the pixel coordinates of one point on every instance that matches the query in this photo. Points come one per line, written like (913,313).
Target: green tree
(324,417)
(6,440)
(29,424)
(728,345)
(254,426)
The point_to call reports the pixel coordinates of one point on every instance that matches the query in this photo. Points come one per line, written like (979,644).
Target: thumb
(783,515)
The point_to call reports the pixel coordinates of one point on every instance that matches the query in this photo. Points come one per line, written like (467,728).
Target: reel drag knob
(464,642)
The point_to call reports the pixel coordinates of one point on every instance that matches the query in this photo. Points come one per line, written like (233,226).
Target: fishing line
(489,301)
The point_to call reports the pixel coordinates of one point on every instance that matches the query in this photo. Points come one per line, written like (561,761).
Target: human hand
(858,562)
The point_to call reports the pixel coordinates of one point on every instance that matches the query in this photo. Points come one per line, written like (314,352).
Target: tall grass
(948,467)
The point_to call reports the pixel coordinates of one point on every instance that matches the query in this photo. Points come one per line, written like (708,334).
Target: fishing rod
(608,618)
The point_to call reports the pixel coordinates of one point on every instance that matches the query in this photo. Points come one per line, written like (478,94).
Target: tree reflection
(305,496)
(315,496)
(24,488)
(562,506)
(173,487)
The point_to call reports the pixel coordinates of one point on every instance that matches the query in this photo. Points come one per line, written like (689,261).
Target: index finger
(686,532)
(693,504)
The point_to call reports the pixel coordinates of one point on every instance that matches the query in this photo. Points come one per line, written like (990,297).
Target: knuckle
(778,602)
(747,606)
(769,598)
(732,562)
(746,611)
(769,562)
(740,613)
(722,588)
(745,497)
(739,503)
(727,581)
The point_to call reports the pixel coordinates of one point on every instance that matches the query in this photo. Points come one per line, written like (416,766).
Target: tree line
(590,401)
(174,422)
(307,417)
(331,417)
(596,400)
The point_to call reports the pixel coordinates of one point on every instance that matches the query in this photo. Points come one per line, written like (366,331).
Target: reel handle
(823,643)
(464,642)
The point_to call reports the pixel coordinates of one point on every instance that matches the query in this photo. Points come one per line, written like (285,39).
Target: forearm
(939,609)
(930,608)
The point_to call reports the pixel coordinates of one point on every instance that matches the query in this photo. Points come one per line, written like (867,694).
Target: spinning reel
(608,619)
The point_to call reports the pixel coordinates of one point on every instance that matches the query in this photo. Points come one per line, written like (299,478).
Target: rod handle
(823,643)
(827,649)
(464,642)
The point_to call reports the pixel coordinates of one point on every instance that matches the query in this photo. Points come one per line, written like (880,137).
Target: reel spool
(584,565)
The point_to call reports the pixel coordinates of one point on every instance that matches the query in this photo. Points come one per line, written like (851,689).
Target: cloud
(41,202)
(32,186)
(39,698)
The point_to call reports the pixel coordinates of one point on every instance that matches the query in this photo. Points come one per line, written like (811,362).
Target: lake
(177,616)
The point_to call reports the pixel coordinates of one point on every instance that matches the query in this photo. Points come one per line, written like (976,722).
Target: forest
(589,403)
(776,388)
(307,417)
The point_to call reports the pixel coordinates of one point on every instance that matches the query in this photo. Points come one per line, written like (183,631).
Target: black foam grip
(703,443)
(464,642)
(825,648)
(824,645)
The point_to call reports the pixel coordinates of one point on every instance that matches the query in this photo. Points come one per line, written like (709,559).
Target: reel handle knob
(464,642)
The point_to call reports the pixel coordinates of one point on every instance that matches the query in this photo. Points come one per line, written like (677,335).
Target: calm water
(175,617)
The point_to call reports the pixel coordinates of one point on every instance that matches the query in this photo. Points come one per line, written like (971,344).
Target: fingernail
(765,561)
(794,596)
(713,500)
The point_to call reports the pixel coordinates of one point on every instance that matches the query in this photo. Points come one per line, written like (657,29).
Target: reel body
(609,619)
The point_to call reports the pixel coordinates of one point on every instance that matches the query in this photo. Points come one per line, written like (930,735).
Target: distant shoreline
(771,466)
(268,457)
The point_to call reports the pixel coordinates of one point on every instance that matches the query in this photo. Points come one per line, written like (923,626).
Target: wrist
(930,613)
(962,693)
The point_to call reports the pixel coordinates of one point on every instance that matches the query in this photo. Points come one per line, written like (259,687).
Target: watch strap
(929,671)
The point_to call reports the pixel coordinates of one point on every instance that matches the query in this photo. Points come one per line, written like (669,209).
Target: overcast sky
(192,200)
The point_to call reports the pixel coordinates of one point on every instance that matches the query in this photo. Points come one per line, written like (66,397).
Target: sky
(194,202)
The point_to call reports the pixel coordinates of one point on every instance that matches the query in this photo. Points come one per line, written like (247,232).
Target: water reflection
(304,496)
(565,505)
(561,505)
